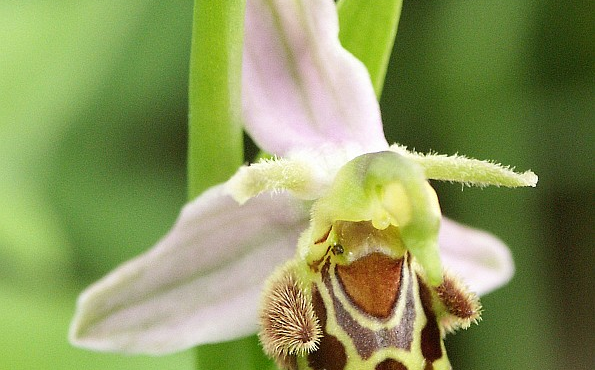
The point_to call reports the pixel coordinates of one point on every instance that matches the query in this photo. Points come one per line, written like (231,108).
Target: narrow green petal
(307,174)
(469,171)
(367,29)
(270,175)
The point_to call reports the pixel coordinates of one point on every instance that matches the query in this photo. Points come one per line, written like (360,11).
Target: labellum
(365,304)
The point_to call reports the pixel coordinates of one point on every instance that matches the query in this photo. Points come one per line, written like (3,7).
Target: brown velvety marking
(457,302)
(430,334)
(330,356)
(331,353)
(372,283)
(319,308)
(390,364)
(367,341)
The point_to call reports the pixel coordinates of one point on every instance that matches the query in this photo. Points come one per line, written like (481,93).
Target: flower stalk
(215,146)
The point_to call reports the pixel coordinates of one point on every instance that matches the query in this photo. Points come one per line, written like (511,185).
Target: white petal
(201,283)
(479,258)
(301,89)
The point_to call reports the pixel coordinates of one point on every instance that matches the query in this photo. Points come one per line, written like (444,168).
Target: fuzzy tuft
(462,306)
(289,325)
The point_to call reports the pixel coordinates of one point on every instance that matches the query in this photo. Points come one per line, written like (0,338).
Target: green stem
(215,142)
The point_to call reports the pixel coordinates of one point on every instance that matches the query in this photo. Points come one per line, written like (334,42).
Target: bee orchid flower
(311,104)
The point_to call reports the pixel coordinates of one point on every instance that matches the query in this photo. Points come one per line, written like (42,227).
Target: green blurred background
(93,144)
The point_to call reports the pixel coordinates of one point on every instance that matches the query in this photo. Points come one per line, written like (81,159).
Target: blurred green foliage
(93,151)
